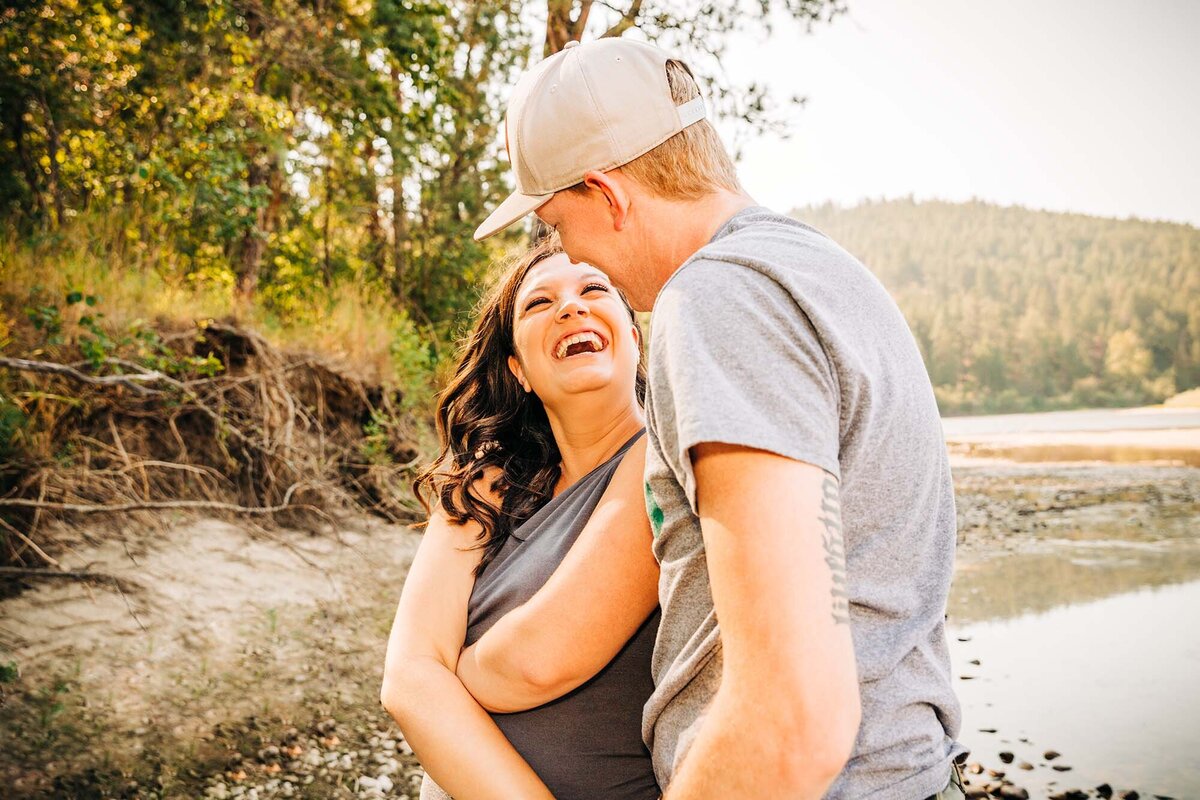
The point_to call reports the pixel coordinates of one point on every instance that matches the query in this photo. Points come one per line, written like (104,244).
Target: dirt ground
(223,659)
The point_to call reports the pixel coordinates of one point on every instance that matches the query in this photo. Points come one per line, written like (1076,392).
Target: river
(1074,618)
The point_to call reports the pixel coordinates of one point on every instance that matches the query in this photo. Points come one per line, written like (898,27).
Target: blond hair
(690,164)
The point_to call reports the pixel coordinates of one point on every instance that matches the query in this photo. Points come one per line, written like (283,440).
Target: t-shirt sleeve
(736,359)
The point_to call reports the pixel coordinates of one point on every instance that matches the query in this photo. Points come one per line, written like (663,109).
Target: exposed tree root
(131,439)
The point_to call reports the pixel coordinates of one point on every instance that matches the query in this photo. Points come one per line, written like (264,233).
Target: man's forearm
(456,741)
(750,747)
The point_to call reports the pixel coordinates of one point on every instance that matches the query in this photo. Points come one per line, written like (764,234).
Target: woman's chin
(588,380)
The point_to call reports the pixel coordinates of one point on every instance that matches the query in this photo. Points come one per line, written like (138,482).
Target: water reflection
(1066,571)
(1110,683)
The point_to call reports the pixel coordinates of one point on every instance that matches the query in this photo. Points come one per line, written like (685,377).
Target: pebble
(1104,790)
(1006,757)
(1025,765)
(1050,755)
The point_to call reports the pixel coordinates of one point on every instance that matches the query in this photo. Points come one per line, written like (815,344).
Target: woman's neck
(590,433)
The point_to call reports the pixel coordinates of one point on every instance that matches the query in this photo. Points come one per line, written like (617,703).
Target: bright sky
(1069,105)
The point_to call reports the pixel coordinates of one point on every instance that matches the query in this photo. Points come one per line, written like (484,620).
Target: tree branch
(628,20)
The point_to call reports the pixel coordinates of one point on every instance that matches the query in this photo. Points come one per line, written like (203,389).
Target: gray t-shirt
(773,337)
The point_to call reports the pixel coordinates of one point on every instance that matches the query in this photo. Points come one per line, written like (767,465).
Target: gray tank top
(587,744)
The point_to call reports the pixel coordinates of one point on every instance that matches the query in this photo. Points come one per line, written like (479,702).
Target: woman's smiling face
(572,333)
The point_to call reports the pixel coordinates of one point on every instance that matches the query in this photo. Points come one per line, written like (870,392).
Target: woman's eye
(592,286)
(537,301)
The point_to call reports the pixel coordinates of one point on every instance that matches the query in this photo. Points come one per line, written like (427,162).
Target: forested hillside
(1016,309)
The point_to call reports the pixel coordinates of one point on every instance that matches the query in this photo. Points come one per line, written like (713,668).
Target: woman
(538,486)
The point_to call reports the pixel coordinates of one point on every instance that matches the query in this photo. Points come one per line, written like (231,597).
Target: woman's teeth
(594,344)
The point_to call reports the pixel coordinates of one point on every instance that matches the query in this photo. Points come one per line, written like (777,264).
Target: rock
(218,791)
(996,773)
(1025,765)
(987,730)
(1129,795)
(1011,792)
(1006,757)
(974,662)
(974,769)
(976,792)
(1061,768)
(1104,790)
(1050,755)
(385,783)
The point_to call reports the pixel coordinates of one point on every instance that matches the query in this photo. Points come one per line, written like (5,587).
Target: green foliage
(9,672)
(1024,310)
(273,151)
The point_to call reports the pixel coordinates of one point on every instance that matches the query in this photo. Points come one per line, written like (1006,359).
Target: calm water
(1122,419)
(1090,647)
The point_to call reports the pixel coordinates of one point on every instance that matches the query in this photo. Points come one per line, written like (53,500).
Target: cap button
(570,44)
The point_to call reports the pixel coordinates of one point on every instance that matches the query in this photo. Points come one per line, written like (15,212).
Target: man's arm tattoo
(835,549)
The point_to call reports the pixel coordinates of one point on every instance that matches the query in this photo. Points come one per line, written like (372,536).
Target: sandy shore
(1180,446)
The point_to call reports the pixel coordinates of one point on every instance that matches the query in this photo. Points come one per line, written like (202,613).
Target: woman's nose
(571,306)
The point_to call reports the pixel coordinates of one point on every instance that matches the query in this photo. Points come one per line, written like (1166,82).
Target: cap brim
(515,207)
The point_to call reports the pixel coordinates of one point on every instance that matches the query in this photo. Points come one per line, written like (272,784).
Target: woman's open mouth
(579,343)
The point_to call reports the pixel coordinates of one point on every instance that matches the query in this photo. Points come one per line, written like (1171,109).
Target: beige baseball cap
(591,106)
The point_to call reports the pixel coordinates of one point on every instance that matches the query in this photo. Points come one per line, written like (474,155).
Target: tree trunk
(250,249)
(400,235)
(326,267)
(55,175)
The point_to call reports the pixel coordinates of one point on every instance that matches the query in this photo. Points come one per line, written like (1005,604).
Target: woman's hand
(601,593)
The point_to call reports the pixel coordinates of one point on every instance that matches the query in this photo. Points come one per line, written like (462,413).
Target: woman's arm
(457,742)
(601,593)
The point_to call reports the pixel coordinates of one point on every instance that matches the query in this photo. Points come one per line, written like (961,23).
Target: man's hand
(784,721)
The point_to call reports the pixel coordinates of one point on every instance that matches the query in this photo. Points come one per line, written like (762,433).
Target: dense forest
(317,165)
(1016,310)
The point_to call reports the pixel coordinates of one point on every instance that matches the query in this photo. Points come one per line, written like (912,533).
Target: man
(796,476)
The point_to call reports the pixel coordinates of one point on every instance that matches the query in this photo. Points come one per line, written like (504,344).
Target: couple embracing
(718,570)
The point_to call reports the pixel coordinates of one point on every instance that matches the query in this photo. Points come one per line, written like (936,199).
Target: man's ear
(514,366)
(611,187)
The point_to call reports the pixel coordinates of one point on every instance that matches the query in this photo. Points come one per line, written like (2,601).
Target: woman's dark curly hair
(487,423)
